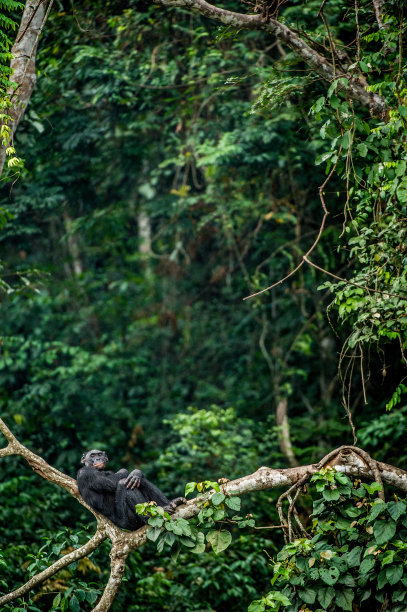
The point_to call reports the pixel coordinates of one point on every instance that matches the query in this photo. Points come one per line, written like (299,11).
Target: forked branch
(353,86)
(347,459)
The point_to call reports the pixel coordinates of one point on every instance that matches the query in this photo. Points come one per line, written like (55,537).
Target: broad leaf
(325,596)
(384,531)
(344,599)
(219,540)
(330,575)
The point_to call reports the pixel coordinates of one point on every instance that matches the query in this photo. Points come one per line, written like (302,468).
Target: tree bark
(23,64)
(348,459)
(284,432)
(354,88)
(73,245)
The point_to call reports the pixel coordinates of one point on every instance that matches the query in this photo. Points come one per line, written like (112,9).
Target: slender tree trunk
(23,64)
(144,232)
(73,245)
(284,433)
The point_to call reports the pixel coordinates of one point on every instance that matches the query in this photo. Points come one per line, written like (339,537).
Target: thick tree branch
(39,465)
(354,88)
(117,566)
(347,459)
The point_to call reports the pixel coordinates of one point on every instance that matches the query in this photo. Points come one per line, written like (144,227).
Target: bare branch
(79,553)
(354,87)
(317,239)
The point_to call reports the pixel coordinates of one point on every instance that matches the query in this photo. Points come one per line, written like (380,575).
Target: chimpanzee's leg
(152,493)
(126,501)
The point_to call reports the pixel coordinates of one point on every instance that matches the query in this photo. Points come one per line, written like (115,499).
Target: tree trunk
(23,65)
(284,433)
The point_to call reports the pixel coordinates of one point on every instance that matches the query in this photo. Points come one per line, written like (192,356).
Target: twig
(321,229)
(348,282)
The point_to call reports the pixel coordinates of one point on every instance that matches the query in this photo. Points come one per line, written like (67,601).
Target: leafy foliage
(356,555)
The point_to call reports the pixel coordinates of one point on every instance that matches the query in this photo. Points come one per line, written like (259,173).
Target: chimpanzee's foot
(178,501)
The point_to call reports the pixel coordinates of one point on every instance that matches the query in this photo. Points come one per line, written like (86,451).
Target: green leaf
(199,548)
(352,558)
(184,526)
(384,531)
(153,533)
(169,538)
(189,542)
(367,564)
(396,509)
(74,604)
(91,596)
(219,540)
(189,487)
(344,599)
(218,515)
(80,594)
(382,579)
(257,606)
(334,101)
(233,503)
(217,498)
(56,601)
(156,521)
(372,488)
(308,595)
(403,111)
(394,573)
(346,140)
(378,508)
(388,557)
(331,494)
(342,478)
(318,104)
(329,575)
(402,190)
(325,596)
(401,168)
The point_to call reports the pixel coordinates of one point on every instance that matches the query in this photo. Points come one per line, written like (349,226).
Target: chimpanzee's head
(95,458)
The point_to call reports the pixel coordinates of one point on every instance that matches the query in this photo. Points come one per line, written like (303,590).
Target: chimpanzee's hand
(134,479)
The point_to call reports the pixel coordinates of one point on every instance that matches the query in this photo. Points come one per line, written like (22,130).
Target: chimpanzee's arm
(105,481)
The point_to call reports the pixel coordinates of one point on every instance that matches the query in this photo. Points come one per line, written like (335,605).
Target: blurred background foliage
(169,172)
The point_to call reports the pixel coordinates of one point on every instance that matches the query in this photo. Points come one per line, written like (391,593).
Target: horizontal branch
(355,88)
(347,459)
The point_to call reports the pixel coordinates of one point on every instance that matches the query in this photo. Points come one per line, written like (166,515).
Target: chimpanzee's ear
(83,457)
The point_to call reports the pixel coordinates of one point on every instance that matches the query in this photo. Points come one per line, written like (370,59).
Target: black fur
(106,492)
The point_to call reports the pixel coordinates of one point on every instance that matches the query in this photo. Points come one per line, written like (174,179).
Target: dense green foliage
(170,172)
(356,556)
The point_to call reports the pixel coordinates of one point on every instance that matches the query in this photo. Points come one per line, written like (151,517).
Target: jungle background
(169,171)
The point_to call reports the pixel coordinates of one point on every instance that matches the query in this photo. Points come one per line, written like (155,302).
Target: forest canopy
(203,272)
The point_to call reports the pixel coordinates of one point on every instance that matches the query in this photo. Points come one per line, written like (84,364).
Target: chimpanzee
(115,495)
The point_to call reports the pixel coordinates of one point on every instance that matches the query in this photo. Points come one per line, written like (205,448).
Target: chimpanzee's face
(95,458)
